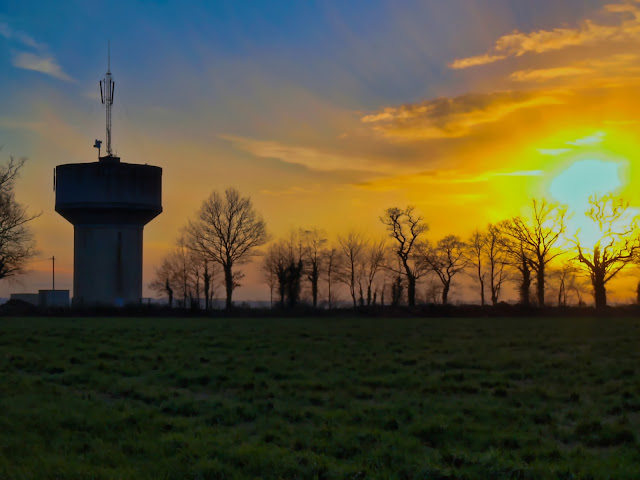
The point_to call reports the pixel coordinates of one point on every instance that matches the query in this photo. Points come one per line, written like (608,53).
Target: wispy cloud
(40,63)
(441,177)
(553,151)
(594,139)
(38,59)
(308,157)
(543,74)
(453,117)
(477,60)
(518,43)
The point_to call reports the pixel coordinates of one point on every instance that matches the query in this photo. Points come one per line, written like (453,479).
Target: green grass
(343,398)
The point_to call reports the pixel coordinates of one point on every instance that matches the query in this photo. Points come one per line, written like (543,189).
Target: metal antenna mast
(106,94)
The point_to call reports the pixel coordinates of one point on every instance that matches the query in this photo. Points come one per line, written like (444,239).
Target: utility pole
(53,271)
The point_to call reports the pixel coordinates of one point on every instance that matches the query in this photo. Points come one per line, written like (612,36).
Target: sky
(325,112)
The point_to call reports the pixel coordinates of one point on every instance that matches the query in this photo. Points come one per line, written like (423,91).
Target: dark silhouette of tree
(270,274)
(352,247)
(294,270)
(579,286)
(228,230)
(517,257)
(332,267)
(405,227)
(476,246)
(433,291)
(372,264)
(564,275)
(283,263)
(496,258)
(616,247)
(537,236)
(446,259)
(208,274)
(397,290)
(314,244)
(165,278)
(178,276)
(17,245)
(275,267)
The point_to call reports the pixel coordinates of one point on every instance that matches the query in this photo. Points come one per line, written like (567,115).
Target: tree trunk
(411,289)
(482,291)
(228,283)
(540,281)
(207,286)
(560,292)
(599,289)
(314,285)
(169,292)
(352,287)
(525,285)
(445,292)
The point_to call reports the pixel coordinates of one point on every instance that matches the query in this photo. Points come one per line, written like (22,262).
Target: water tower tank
(109,203)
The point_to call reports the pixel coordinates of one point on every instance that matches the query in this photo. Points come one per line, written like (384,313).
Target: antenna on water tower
(106,94)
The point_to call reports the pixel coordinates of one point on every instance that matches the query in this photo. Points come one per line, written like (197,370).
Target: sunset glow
(328,113)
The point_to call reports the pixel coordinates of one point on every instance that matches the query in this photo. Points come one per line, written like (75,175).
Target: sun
(583,179)
(580,181)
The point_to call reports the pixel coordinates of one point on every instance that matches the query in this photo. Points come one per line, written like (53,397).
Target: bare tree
(352,247)
(433,291)
(183,261)
(616,246)
(476,246)
(283,266)
(564,276)
(405,227)
(332,267)
(579,286)
(517,257)
(275,268)
(178,275)
(164,281)
(314,243)
(496,258)
(446,260)
(208,281)
(228,231)
(17,245)
(537,237)
(372,263)
(295,251)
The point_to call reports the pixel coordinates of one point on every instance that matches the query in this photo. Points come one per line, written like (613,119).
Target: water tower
(108,202)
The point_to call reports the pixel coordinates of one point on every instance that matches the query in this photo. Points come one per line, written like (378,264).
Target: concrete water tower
(109,203)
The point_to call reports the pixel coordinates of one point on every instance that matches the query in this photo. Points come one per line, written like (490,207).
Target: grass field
(348,398)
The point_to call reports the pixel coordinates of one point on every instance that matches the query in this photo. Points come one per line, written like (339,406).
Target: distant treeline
(536,254)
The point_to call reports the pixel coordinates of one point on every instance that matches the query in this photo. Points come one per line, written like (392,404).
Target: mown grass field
(323,398)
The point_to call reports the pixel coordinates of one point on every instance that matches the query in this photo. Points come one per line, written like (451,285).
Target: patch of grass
(334,398)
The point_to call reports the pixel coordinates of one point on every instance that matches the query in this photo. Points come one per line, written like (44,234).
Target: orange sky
(546,108)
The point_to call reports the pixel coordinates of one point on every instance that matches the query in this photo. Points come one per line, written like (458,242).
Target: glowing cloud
(453,117)
(544,74)
(588,32)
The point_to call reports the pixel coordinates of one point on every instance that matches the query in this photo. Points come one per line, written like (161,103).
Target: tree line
(529,252)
